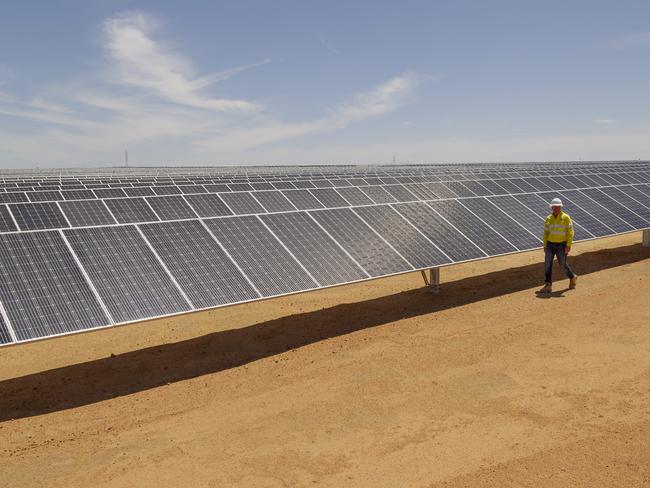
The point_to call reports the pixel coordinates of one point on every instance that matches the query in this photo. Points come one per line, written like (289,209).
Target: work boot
(572,282)
(548,288)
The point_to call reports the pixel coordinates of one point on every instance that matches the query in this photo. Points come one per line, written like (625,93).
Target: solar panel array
(88,249)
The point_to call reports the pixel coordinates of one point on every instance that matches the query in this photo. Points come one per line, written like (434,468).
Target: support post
(646,238)
(432,281)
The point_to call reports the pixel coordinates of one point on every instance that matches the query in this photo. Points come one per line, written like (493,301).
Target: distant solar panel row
(74,265)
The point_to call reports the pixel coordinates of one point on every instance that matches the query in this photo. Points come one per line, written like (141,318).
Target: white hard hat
(556,202)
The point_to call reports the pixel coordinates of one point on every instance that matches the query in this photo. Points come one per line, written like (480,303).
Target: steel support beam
(646,238)
(432,280)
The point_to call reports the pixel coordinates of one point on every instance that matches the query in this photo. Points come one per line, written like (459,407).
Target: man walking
(558,237)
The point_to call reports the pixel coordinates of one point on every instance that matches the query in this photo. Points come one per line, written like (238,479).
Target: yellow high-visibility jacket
(558,229)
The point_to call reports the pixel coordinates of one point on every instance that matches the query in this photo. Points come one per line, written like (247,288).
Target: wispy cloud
(604,121)
(145,63)
(328,46)
(148,93)
(629,41)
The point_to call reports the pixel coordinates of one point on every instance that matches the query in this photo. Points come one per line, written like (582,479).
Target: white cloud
(605,121)
(144,63)
(149,94)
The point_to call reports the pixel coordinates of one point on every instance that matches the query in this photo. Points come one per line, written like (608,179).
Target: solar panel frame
(7,223)
(242,203)
(131,210)
(171,207)
(38,215)
(83,213)
(208,205)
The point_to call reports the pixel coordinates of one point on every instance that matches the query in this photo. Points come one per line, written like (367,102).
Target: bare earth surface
(378,384)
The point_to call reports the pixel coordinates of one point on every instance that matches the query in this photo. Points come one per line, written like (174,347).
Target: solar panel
(508,228)
(204,256)
(274,201)
(446,237)
(130,210)
(302,199)
(203,270)
(208,205)
(6,222)
(35,216)
(242,203)
(173,207)
(314,249)
(367,248)
(127,275)
(82,213)
(473,227)
(329,197)
(42,289)
(5,336)
(262,258)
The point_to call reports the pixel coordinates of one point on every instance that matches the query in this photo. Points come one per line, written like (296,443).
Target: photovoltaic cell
(400,193)
(126,273)
(302,199)
(78,195)
(139,191)
(6,222)
(208,205)
(627,200)
(576,197)
(581,217)
(130,210)
(166,190)
(329,197)
(81,213)
(525,217)
(242,203)
(13,197)
(459,189)
(539,205)
(440,190)
(273,201)
(378,194)
(172,207)
(34,216)
(44,196)
(5,336)
(493,187)
(317,252)
(509,186)
(354,196)
(42,288)
(618,207)
(110,193)
(261,257)
(420,191)
(474,228)
(455,245)
(201,268)
(368,249)
(477,187)
(500,221)
(410,243)
(262,185)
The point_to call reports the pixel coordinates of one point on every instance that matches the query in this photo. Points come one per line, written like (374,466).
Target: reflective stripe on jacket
(558,229)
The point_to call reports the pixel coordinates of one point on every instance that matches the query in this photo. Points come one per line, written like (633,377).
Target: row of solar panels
(119,210)
(188,171)
(63,281)
(436,175)
(453,188)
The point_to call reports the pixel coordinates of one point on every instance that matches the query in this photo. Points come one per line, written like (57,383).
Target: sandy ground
(377,384)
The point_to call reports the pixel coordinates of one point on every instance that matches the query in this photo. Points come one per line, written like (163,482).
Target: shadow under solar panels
(368,249)
(125,272)
(202,269)
(42,288)
(313,248)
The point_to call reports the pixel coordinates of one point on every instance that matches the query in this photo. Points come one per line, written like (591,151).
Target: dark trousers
(556,249)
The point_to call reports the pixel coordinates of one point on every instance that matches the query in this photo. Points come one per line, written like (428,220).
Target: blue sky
(205,82)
